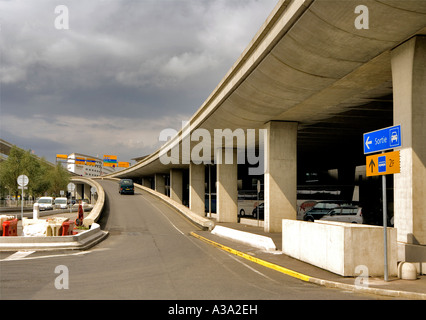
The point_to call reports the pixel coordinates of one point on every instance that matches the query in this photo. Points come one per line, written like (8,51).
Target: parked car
(61,203)
(351,214)
(45,203)
(126,186)
(322,208)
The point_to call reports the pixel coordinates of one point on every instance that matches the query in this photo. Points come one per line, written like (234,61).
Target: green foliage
(43,177)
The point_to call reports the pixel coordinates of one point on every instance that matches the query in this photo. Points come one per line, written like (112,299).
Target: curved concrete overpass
(307,64)
(315,83)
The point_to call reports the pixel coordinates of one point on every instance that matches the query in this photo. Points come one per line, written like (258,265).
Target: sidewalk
(395,287)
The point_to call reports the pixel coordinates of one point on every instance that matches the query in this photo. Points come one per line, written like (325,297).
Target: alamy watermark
(62,20)
(361,281)
(62,280)
(195,146)
(363,20)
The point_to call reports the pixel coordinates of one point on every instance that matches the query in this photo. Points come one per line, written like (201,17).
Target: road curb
(82,241)
(246,256)
(310,279)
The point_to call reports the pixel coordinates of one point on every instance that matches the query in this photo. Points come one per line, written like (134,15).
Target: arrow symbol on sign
(372,165)
(368,142)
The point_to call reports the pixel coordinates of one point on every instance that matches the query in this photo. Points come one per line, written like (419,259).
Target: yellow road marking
(264,263)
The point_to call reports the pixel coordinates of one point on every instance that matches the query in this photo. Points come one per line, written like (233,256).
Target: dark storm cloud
(123,68)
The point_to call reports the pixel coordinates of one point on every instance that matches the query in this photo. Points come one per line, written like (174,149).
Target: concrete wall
(339,247)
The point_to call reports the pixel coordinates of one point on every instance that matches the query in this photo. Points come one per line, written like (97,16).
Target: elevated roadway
(315,82)
(311,65)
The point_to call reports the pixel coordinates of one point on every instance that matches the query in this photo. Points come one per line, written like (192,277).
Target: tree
(11,169)
(43,177)
(59,179)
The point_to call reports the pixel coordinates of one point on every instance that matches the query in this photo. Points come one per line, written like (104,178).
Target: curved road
(149,254)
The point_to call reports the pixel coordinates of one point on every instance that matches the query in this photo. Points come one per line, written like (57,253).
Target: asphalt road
(149,254)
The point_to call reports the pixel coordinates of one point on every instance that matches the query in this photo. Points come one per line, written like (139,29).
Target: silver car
(351,214)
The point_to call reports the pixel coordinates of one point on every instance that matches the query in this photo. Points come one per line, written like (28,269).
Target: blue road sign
(383,139)
(382,164)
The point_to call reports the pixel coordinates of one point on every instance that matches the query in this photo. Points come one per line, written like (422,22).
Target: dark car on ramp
(126,186)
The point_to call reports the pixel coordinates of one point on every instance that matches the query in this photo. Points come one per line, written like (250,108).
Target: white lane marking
(250,268)
(152,204)
(22,255)
(18,255)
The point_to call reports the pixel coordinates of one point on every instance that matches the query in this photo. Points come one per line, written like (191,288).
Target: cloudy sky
(123,71)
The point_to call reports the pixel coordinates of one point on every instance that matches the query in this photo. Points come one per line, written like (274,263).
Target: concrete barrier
(81,241)
(340,247)
(200,221)
(254,240)
(96,211)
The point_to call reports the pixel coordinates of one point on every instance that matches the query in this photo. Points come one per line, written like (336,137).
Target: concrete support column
(87,194)
(176,185)
(160,183)
(227,189)
(280,186)
(80,191)
(146,182)
(197,188)
(409,95)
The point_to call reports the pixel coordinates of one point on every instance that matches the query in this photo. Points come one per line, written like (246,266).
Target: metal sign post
(71,188)
(22,182)
(381,165)
(385,227)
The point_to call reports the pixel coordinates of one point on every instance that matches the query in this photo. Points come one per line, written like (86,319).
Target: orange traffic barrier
(10,228)
(67,228)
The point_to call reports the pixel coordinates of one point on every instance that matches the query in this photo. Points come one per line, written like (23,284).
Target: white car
(351,214)
(61,203)
(45,203)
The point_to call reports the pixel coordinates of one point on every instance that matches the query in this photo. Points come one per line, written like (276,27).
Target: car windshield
(44,201)
(325,205)
(60,201)
(126,182)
